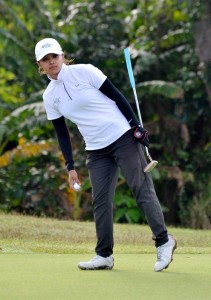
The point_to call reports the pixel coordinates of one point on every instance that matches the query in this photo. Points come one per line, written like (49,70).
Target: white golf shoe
(97,263)
(165,254)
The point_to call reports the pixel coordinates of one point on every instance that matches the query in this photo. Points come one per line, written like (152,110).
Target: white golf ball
(76,186)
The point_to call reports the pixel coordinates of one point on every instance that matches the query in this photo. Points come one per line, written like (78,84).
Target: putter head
(150,166)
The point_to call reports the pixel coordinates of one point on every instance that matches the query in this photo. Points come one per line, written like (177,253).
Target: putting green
(52,276)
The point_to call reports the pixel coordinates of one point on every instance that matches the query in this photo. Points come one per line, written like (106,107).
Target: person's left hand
(141,135)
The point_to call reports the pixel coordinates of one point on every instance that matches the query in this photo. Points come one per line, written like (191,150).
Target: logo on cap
(46,45)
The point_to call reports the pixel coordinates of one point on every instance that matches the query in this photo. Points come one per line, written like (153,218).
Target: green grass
(24,234)
(39,257)
(56,277)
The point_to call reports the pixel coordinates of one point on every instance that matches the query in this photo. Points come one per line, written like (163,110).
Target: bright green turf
(56,277)
(39,257)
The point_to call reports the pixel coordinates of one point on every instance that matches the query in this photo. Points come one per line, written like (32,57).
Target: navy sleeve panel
(64,141)
(113,93)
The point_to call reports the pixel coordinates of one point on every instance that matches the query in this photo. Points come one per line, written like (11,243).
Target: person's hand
(141,135)
(73,177)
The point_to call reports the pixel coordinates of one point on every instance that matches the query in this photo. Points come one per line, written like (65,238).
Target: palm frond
(163,88)
(37,109)
(16,19)
(174,38)
(16,41)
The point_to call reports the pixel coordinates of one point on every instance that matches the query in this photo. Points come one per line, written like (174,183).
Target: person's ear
(40,70)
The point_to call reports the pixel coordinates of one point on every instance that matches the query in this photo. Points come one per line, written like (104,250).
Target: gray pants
(103,166)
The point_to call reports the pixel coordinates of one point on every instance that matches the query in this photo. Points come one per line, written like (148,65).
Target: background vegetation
(170,47)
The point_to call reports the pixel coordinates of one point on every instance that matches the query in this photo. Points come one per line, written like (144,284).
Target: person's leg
(103,172)
(130,157)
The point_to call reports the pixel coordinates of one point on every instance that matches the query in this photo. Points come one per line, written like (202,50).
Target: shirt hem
(109,143)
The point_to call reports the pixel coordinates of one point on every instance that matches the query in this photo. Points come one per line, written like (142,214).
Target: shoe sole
(97,268)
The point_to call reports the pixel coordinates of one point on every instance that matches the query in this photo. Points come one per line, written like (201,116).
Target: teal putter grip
(129,67)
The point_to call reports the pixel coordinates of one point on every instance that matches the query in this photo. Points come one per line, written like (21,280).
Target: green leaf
(173,38)
(163,88)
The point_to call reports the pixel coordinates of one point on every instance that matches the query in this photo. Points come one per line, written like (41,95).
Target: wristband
(70,166)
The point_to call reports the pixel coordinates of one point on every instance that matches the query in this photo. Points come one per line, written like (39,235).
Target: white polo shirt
(76,96)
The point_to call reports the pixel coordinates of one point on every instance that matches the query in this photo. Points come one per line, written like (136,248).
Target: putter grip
(129,67)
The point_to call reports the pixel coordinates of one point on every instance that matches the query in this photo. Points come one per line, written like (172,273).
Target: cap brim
(59,52)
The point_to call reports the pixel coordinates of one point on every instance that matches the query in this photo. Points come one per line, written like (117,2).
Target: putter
(152,163)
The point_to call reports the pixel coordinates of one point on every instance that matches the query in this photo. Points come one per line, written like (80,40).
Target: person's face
(51,64)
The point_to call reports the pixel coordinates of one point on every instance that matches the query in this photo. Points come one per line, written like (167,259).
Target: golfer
(113,139)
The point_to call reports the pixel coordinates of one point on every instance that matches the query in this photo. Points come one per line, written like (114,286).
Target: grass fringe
(27,234)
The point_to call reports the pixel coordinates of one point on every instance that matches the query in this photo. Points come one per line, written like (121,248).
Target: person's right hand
(73,177)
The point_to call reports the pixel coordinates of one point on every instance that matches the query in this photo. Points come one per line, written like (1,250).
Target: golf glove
(141,135)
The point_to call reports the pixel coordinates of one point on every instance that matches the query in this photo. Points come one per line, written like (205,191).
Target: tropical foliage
(169,42)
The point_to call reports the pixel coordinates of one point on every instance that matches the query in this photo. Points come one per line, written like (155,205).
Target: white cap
(47,46)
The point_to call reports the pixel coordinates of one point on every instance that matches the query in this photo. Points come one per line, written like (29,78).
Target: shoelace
(159,252)
(94,258)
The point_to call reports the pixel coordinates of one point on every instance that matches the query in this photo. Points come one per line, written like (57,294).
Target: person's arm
(66,148)
(64,141)
(114,94)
